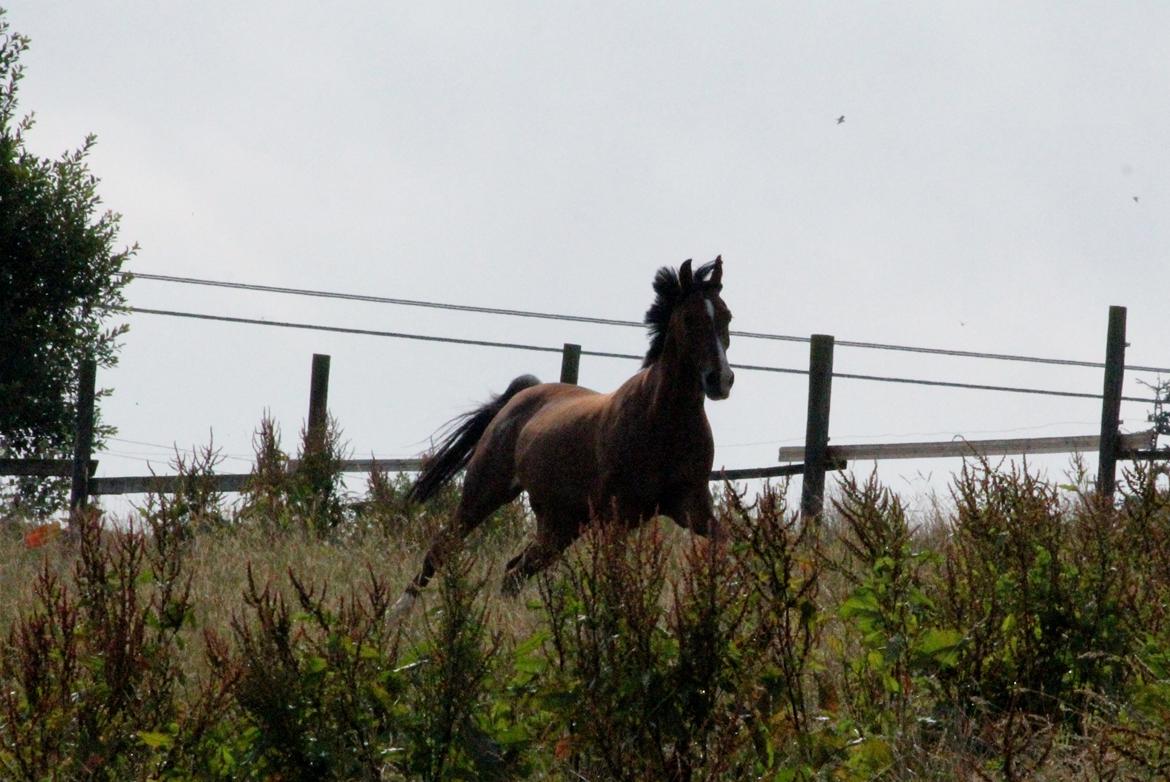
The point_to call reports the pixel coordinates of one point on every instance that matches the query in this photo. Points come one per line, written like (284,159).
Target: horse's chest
(650,471)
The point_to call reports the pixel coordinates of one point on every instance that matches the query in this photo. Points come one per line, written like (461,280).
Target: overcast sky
(1000,179)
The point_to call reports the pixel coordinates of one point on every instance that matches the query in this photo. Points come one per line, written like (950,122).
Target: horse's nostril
(730,379)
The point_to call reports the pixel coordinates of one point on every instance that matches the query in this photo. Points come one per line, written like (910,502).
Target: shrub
(639,690)
(448,724)
(775,555)
(195,505)
(1022,636)
(309,498)
(316,689)
(895,643)
(89,681)
(1039,587)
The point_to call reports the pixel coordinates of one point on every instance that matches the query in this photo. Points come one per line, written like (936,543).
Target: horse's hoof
(403,605)
(511,586)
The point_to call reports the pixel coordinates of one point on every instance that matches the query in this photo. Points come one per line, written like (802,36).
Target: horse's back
(553,409)
(556,425)
(534,410)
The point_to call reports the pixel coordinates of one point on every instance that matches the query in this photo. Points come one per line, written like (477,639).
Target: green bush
(90,686)
(309,499)
(1021,634)
(315,689)
(1041,585)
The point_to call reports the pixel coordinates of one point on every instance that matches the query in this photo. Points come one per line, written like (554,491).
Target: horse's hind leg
(488,486)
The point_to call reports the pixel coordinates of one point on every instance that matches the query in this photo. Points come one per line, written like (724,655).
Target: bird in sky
(840,119)
(1135,199)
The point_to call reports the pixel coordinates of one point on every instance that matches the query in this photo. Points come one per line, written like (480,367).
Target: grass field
(1021,634)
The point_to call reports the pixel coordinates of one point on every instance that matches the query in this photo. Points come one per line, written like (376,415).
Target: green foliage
(449,730)
(1044,588)
(309,498)
(329,692)
(195,505)
(1022,636)
(60,275)
(388,509)
(315,689)
(776,558)
(694,666)
(639,692)
(89,681)
(901,645)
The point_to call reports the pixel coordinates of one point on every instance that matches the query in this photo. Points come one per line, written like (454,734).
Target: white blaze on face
(725,374)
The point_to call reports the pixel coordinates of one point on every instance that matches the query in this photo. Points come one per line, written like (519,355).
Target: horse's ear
(685,277)
(716,278)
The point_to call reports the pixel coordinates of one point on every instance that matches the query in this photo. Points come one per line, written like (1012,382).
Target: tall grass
(1022,633)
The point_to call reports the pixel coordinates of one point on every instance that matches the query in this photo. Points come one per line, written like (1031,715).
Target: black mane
(669,291)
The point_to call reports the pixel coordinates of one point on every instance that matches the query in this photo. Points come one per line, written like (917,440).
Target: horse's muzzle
(717,385)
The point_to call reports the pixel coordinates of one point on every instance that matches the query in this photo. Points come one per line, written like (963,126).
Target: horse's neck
(672,387)
(674,393)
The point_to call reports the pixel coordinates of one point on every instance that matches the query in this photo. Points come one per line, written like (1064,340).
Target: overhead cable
(614,322)
(604,354)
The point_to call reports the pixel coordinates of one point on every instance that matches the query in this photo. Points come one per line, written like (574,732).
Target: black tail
(460,437)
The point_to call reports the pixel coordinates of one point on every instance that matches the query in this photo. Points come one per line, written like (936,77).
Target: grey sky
(551,156)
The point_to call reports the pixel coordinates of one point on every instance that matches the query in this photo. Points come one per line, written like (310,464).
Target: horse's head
(688,307)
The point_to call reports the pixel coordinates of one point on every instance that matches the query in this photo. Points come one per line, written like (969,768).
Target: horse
(587,457)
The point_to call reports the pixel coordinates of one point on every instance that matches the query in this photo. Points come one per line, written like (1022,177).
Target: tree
(60,282)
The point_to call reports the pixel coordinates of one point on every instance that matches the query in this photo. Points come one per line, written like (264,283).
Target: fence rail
(41,468)
(1127,444)
(238,482)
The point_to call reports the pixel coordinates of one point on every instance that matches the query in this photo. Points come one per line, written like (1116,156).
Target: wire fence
(818,456)
(605,354)
(614,322)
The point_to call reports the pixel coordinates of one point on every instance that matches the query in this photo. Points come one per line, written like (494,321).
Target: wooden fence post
(318,405)
(570,362)
(816,437)
(83,441)
(1111,402)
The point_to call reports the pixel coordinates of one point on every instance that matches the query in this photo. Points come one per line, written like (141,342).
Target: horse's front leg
(693,510)
(556,529)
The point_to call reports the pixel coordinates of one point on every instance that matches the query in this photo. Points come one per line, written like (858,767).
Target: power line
(382,300)
(614,322)
(362,332)
(604,354)
(174,448)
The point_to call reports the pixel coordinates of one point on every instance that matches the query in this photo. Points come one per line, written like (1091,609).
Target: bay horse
(626,456)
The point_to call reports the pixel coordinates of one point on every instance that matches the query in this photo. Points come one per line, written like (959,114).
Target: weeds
(195,505)
(449,735)
(309,498)
(1042,588)
(89,675)
(1022,634)
(313,687)
(776,562)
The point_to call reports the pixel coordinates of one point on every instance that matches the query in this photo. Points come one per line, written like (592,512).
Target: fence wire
(614,322)
(605,354)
